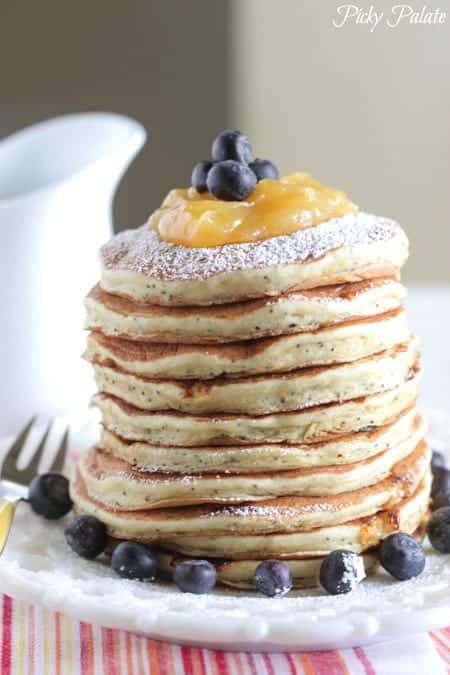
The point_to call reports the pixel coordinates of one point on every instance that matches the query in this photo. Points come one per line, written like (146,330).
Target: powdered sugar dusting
(353,572)
(142,251)
(272,512)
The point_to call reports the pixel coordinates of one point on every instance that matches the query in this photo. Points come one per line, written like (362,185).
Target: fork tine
(31,470)
(9,467)
(59,461)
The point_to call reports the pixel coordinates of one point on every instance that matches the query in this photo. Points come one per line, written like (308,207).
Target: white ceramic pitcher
(57,183)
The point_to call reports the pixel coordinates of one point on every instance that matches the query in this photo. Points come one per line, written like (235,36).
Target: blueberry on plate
(273,578)
(231,181)
(231,144)
(263,168)
(402,556)
(86,535)
(438,530)
(195,576)
(48,495)
(438,460)
(441,480)
(341,571)
(200,175)
(441,499)
(135,561)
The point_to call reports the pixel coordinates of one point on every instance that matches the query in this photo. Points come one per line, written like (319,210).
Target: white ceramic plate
(38,567)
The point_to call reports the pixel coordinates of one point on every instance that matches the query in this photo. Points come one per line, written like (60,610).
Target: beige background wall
(367,112)
(163,62)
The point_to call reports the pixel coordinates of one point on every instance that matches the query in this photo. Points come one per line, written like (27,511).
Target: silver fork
(14,482)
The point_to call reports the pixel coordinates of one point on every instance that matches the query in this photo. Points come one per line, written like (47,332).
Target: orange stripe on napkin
(168,654)
(152,657)
(307,666)
(114,646)
(238,663)
(201,661)
(128,654)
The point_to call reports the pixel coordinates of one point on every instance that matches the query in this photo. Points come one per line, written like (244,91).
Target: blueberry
(341,571)
(438,460)
(49,495)
(135,561)
(199,176)
(438,530)
(262,168)
(273,578)
(195,576)
(441,480)
(402,556)
(231,181)
(231,144)
(441,499)
(86,535)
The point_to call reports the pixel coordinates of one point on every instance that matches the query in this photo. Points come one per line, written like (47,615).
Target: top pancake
(139,265)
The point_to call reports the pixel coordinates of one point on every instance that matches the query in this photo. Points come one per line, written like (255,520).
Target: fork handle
(7,511)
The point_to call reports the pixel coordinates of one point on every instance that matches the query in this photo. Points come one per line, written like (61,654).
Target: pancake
(284,514)
(139,265)
(260,395)
(113,482)
(291,313)
(305,572)
(339,344)
(351,447)
(306,426)
(357,535)
(239,573)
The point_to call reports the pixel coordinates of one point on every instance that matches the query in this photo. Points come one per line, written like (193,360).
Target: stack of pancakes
(258,400)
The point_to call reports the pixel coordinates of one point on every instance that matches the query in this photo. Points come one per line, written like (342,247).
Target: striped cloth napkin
(35,641)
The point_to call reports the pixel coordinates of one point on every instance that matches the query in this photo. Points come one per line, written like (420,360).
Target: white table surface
(429,310)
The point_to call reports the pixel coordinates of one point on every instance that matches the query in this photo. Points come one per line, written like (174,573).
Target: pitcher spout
(45,155)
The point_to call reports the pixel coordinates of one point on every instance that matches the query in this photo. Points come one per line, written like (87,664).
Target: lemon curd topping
(275,207)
